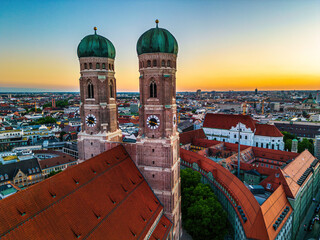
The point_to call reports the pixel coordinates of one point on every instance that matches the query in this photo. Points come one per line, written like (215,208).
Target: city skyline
(223,45)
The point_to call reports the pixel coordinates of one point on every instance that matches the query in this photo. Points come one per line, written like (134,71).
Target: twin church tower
(156,152)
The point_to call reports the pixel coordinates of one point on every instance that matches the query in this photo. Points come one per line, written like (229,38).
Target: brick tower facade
(158,140)
(98,109)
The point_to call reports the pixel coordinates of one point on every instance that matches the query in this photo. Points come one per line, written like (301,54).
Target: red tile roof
(237,190)
(188,137)
(260,219)
(106,197)
(267,130)
(226,121)
(55,161)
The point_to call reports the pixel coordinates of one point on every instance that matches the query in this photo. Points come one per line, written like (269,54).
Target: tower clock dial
(91,120)
(153,122)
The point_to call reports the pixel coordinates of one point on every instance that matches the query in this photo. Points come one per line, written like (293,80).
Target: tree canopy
(202,215)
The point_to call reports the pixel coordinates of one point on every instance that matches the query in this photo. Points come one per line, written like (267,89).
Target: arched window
(112,67)
(153,89)
(148,63)
(6,176)
(85,66)
(90,90)
(163,63)
(142,64)
(111,89)
(169,63)
(103,66)
(109,66)
(98,66)
(154,63)
(90,65)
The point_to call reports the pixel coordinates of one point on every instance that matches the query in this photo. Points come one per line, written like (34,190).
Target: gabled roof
(188,137)
(227,121)
(11,169)
(260,219)
(56,161)
(237,190)
(267,130)
(105,197)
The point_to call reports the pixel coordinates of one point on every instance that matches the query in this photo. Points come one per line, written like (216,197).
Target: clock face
(174,120)
(91,120)
(153,122)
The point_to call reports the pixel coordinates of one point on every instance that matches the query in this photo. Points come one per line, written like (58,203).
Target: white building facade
(225,127)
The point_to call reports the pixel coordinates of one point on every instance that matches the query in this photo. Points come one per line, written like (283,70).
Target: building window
(245,137)
(98,66)
(85,66)
(103,66)
(111,89)
(6,176)
(154,63)
(1,177)
(148,63)
(169,63)
(90,90)
(112,67)
(109,66)
(153,89)
(90,65)
(163,63)
(269,186)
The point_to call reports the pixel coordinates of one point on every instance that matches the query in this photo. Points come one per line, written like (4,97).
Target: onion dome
(96,46)
(157,40)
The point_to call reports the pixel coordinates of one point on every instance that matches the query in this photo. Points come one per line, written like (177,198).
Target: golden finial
(157,21)
(95,30)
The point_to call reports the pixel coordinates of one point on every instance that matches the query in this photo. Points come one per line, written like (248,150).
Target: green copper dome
(96,46)
(157,40)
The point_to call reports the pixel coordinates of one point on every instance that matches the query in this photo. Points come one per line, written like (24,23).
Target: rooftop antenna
(157,21)
(95,30)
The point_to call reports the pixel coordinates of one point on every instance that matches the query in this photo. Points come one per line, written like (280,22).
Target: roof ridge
(58,200)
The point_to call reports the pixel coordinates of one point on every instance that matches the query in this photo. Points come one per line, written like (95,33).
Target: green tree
(288,145)
(53,173)
(202,215)
(306,144)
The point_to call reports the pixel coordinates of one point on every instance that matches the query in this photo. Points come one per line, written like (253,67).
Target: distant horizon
(4,90)
(231,44)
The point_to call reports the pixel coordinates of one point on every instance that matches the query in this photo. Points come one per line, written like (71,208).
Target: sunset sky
(223,44)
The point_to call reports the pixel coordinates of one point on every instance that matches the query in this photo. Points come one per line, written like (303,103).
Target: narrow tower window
(112,67)
(111,89)
(154,63)
(148,63)
(153,89)
(142,64)
(163,63)
(90,65)
(109,66)
(103,66)
(169,63)
(98,66)
(85,66)
(90,90)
